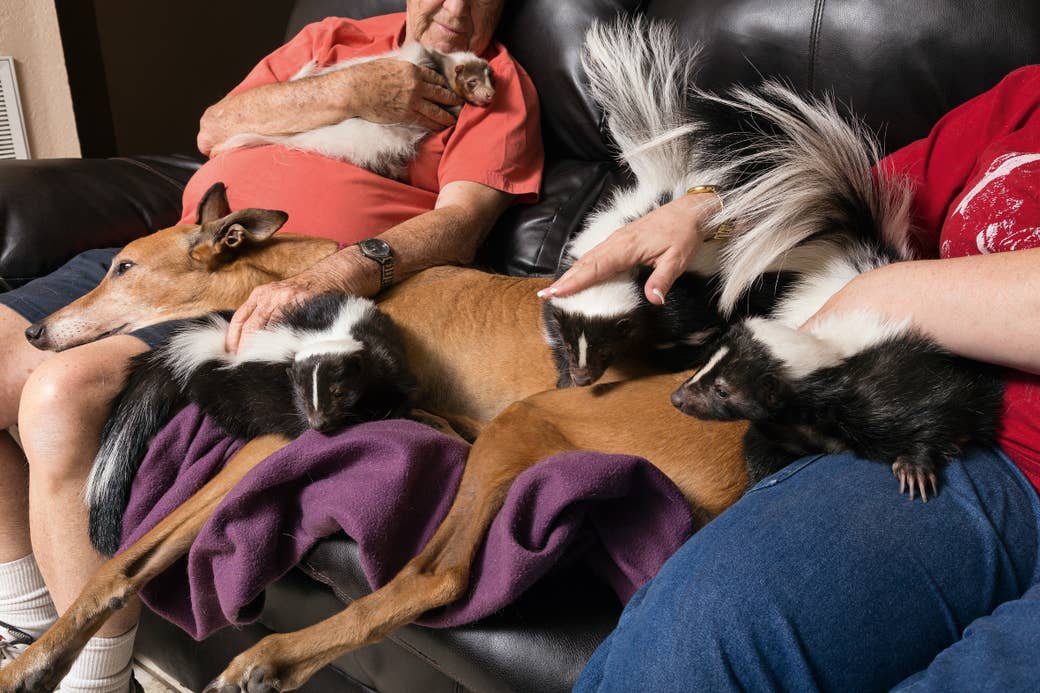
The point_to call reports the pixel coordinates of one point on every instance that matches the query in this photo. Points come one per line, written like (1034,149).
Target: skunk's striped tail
(796,170)
(640,72)
(149,400)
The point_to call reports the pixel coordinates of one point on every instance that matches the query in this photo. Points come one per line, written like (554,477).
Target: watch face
(375,247)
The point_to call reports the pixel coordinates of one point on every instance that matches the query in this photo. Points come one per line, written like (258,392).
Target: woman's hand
(344,272)
(665,239)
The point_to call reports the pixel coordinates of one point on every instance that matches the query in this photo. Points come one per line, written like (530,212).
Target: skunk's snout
(582,377)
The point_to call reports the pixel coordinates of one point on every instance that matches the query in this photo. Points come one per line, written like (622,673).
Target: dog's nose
(34,333)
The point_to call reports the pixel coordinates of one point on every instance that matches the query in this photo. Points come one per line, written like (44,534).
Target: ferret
(327,363)
(856,382)
(384,148)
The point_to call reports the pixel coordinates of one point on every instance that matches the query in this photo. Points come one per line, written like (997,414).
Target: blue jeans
(823,577)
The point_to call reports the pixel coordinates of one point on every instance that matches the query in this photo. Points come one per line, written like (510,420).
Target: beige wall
(29,33)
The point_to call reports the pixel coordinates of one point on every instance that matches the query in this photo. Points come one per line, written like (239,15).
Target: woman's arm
(985,307)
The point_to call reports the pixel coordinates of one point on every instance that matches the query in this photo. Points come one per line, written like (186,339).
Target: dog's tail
(151,397)
(795,169)
(640,72)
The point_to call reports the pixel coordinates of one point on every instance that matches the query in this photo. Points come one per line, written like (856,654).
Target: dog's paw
(256,680)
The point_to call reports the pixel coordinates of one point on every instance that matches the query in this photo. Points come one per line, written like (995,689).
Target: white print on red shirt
(1003,205)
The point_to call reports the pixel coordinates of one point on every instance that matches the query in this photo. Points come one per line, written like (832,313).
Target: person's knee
(62,408)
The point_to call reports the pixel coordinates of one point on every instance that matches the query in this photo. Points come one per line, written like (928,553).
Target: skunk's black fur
(903,401)
(272,394)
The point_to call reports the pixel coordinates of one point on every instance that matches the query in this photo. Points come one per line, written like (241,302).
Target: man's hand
(344,272)
(396,91)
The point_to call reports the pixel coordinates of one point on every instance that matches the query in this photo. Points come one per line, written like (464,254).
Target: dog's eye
(720,391)
(122,267)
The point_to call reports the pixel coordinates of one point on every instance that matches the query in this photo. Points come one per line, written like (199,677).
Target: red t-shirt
(499,146)
(977,178)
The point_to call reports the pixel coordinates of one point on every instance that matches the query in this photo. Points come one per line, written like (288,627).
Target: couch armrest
(52,209)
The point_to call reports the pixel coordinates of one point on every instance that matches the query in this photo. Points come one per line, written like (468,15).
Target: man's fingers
(439,94)
(234,333)
(434,114)
(431,76)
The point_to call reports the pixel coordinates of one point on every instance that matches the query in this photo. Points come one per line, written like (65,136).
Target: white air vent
(13,142)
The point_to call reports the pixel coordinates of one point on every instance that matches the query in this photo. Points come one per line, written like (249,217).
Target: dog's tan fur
(475,343)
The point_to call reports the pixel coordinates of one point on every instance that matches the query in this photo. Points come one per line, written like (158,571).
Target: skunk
(329,362)
(790,171)
(856,382)
(383,148)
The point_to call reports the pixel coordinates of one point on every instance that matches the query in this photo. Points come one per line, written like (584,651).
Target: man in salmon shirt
(466,172)
(823,576)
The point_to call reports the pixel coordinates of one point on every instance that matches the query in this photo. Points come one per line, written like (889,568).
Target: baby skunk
(855,383)
(613,322)
(383,148)
(331,361)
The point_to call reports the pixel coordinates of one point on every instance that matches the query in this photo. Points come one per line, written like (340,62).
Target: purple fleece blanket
(388,484)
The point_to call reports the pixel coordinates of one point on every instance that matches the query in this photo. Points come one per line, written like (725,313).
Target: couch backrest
(899,64)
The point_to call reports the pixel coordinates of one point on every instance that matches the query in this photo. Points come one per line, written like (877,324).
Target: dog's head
(178,272)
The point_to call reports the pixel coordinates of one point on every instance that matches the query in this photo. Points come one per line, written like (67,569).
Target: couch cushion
(900,66)
(52,209)
(540,643)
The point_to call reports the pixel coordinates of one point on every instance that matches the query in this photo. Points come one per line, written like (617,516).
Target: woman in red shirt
(822,576)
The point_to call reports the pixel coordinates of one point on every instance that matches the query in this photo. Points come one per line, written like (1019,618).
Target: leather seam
(146,167)
(814,41)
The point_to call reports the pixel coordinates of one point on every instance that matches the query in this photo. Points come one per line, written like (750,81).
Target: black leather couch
(899,64)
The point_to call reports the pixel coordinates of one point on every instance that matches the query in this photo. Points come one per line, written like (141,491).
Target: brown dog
(475,344)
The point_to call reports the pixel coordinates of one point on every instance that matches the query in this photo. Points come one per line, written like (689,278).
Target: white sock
(25,601)
(103,666)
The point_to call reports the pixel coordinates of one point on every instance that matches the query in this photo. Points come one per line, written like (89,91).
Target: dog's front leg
(439,575)
(42,666)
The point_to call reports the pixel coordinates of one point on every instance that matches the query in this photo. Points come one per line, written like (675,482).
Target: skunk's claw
(917,477)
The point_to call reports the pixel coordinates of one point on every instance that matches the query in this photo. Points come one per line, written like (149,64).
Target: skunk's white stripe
(801,353)
(613,298)
(328,347)
(314,385)
(583,350)
(712,362)
(852,332)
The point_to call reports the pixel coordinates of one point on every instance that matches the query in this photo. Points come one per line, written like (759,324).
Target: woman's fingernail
(553,290)
(543,293)
(657,292)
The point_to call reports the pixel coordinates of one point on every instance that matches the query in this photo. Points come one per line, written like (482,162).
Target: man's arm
(381,91)
(449,234)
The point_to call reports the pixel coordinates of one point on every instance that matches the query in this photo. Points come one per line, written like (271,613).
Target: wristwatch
(379,250)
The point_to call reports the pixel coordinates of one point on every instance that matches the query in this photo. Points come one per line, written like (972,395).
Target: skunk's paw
(916,475)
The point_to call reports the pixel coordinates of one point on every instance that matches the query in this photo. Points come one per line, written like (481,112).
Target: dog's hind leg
(42,666)
(438,575)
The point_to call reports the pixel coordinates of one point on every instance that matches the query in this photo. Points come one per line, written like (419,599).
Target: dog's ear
(219,240)
(213,205)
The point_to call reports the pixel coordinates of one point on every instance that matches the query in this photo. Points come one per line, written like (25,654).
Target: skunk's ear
(219,239)
(773,391)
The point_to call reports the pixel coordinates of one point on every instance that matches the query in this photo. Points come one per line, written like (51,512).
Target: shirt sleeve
(499,146)
(940,165)
(312,41)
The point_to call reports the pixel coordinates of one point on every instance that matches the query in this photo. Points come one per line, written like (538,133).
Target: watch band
(380,251)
